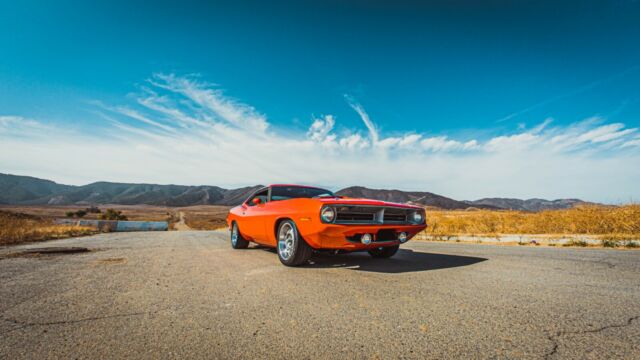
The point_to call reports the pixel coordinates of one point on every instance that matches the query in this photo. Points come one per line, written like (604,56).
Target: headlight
(366,239)
(416,217)
(327,214)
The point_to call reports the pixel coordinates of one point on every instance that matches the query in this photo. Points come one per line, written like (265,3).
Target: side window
(262,195)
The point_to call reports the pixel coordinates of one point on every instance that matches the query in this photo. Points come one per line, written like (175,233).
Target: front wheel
(292,249)
(384,251)
(237,241)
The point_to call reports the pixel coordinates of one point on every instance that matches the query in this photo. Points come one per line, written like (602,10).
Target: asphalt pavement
(187,294)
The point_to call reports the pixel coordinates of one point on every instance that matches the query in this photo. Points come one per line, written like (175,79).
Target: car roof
(295,185)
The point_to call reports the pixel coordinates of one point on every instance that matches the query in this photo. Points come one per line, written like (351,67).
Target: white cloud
(442,143)
(409,140)
(181,130)
(406,141)
(320,128)
(512,142)
(354,142)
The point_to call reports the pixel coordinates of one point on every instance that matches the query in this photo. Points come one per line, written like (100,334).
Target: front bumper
(346,237)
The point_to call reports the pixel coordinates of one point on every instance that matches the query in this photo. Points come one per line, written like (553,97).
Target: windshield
(294,192)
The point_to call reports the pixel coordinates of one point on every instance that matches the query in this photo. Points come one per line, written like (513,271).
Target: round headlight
(328,214)
(366,239)
(402,237)
(416,217)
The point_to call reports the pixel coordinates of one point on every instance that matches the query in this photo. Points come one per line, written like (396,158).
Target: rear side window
(294,192)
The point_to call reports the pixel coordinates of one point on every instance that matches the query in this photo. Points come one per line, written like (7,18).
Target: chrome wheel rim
(234,235)
(286,240)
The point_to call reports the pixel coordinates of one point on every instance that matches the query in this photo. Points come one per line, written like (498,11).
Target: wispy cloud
(213,100)
(373,131)
(569,94)
(180,129)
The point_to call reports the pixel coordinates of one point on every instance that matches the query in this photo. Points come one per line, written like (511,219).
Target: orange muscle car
(300,220)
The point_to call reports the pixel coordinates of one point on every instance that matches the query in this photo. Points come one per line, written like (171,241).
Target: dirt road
(189,295)
(181,225)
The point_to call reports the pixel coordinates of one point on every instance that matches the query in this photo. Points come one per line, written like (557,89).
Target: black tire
(291,247)
(384,252)
(239,242)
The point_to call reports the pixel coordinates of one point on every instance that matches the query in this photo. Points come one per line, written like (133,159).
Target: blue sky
(465,98)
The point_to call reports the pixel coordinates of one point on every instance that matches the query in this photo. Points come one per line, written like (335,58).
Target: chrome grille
(355,217)
(395,216)
(362,214)
(356,214)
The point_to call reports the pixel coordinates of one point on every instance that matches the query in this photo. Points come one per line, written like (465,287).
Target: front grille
(356,214)
(392,215)
(355,217)
(361,214)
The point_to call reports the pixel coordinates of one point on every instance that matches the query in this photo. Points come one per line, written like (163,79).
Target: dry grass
(205,217)
(17,228)
(132,212)
(607,222)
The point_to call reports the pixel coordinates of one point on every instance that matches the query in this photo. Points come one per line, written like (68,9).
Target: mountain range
(26,190)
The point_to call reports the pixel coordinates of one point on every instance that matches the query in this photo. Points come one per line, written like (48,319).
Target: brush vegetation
(613,223)
(17,228)
(206,217)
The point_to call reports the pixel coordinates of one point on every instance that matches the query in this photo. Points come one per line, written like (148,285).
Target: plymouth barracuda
(300,220)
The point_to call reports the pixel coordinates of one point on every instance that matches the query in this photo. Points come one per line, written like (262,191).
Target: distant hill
(431,199)
(27,190)
(414,197)
(527,205)
(16,189)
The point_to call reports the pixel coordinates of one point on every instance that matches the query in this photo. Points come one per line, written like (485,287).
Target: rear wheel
(237,241)
(384,251)
(292,249)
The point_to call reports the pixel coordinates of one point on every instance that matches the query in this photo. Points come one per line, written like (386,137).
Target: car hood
(356,201)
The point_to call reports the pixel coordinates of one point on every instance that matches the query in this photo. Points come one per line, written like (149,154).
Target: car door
(254,217)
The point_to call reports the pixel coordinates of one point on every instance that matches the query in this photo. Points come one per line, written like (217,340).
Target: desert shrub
(112,214)
(610,243)
(632,244)
(93,210)
(78,214)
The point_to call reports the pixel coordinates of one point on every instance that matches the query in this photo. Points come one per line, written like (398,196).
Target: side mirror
(256,201)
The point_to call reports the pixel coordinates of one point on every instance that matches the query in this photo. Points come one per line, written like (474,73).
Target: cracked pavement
(188,294)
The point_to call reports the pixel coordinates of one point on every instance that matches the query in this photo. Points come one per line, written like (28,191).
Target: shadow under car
(405,260)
